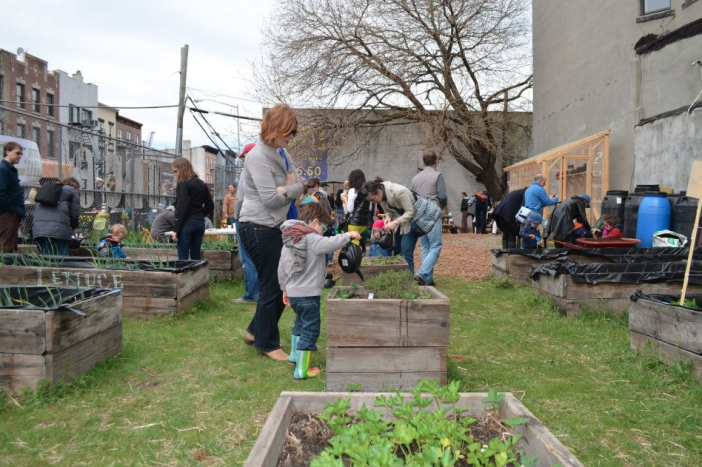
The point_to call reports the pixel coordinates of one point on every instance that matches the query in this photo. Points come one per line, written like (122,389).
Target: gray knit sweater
(265,170)
(310,282)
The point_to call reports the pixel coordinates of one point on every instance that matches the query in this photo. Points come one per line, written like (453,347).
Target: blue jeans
(307,321)
(374,250)
(251,285)
(53,246)
(431,245)
(408,242)
(190,239)
(264,244)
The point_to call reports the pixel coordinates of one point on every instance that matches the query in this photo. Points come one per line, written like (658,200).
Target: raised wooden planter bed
(675,332)
(536,439)
(57,344)
(385,344)
(609,290)
(176,287)
(517,264)
(371,270)
(223,263)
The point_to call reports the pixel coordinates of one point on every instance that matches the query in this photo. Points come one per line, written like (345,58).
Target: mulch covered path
(463,255)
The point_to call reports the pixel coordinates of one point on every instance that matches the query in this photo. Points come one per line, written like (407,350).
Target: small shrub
(502,282)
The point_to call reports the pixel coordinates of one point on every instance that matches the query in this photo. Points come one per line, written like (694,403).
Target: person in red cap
(246,150)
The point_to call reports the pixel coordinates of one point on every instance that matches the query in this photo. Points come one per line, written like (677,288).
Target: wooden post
(691,245)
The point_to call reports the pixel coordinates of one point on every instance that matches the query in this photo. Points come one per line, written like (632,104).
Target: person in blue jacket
(111,245)
(11,197)
(536,198)
(530,235)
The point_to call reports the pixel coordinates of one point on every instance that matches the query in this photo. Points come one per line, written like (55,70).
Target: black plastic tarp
(615,255)
(667,299)
(628,273)
(47,298)
(37,261)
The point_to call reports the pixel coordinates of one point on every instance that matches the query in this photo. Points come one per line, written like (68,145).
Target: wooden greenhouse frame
(578,167)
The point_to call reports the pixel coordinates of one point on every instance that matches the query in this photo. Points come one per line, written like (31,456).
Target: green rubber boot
(293,349)
(302,368)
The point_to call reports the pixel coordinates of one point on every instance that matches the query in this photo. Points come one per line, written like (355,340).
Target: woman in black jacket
(193,202)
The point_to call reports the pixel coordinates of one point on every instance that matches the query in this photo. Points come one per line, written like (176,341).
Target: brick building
(25,84)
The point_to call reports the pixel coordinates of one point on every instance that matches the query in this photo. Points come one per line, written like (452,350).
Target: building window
(36,135)
(136,139)
(20,130)
(50,103)
(119,133)
(85,114)
(1,87)
(654,6)
(73,113)
(2,127)
(20,95)
(129,136)
(35,100)
(112,127)
(50,143)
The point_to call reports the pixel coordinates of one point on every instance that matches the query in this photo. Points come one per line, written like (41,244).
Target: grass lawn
(186,390)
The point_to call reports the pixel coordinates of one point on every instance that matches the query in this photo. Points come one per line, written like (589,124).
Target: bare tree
(456,65)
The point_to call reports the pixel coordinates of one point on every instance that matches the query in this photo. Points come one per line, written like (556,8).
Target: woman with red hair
(271,189)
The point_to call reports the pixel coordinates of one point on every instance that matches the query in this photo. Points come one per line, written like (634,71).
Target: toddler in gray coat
(301,273)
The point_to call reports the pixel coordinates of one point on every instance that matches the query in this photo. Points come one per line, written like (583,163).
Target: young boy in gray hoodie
(301,272)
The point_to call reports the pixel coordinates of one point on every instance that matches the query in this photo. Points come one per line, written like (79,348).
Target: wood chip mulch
(463,255)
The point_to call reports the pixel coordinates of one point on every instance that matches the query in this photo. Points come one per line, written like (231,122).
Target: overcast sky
(130,49)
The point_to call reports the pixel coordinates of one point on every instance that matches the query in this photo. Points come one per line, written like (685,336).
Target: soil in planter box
(308,437)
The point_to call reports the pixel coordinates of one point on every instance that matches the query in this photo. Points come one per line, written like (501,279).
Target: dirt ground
(463,255)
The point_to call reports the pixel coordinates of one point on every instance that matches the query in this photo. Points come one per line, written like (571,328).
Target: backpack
(49,194)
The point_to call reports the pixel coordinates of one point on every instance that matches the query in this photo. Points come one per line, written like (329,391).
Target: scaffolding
(578,167)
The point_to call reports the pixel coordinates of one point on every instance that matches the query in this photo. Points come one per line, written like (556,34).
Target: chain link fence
(120,181)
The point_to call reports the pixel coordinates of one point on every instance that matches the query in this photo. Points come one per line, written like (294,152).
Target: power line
(30,103)
(224,95)
(216,133)
(222,113)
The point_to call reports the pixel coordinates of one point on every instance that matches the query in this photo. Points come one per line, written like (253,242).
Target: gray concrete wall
(588,78)
(666,148)
(396,155)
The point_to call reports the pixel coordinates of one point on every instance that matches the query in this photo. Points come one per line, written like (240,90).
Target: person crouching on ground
(531,237)
(612,227)
(301,273)
(111,245)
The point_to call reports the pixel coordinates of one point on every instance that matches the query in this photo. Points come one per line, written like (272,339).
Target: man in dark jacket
(11,197)
(562,222)
(504,214)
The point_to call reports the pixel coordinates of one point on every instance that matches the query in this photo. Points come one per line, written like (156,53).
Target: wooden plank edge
(269,444)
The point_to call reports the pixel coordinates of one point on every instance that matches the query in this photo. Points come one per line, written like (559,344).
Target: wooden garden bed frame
(56,345)
(536,439)
(673,331)
(572,297)
(145,293)
(386,344)
(223,263)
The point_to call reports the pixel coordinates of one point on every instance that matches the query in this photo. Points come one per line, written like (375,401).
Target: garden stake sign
(692,240)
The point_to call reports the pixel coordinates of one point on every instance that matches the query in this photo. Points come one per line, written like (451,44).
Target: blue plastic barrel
(654,215)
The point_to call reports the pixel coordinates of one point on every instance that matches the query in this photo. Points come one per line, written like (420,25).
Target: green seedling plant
(428,430)
(689,303)
(395,284)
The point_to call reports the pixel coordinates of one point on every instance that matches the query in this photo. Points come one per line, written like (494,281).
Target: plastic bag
(669,238)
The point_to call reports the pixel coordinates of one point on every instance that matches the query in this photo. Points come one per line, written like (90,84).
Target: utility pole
(181,101)
(238,138)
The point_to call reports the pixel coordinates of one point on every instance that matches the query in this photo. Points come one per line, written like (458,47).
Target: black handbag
(49,194)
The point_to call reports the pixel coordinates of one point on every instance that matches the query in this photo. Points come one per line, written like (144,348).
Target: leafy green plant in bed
(382,260)
(689,303)
(418,436)
(395,284)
